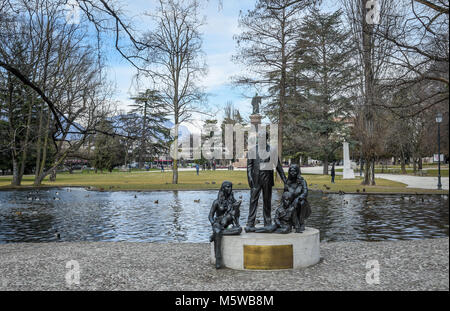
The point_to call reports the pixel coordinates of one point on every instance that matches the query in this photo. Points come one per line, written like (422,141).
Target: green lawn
(188,180)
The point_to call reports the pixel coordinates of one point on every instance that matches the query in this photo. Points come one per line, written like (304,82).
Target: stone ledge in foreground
(404,265)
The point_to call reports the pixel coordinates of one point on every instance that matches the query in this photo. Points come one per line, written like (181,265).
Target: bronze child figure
(225,211)
(285,216)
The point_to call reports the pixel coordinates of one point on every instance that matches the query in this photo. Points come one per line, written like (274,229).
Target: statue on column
(256,102)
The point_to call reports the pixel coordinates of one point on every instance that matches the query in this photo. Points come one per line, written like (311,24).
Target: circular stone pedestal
(270,251)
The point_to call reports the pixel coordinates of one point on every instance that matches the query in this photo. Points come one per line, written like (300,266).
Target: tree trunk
(369,95)
(403,163)
(15,180)
(126,154)
(39,143)
(41,175)
(53,175)
(175,157)
(27,135)
(12,133)
(142,148)
(282,93)
(325,166)
(373,173)
(366,180)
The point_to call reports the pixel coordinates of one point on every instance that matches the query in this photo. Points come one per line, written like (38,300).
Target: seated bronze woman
(225,211)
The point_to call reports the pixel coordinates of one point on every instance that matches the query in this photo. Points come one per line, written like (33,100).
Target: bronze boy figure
(284,216)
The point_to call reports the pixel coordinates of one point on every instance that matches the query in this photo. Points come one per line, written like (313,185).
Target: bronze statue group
(291,213)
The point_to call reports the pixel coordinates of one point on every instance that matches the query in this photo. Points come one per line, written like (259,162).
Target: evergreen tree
(109,151)
(152,135)
(319,103)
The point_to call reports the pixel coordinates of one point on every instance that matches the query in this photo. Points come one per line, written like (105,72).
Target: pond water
(81,215)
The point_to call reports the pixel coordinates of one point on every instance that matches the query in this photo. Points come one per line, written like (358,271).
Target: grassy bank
(188,180)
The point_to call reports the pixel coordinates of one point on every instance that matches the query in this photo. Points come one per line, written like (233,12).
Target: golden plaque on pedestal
(268,257)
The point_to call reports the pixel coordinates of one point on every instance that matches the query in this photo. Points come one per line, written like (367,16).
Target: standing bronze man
(261,180)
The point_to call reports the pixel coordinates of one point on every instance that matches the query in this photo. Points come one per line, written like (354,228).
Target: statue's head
(226,188)
(294,171)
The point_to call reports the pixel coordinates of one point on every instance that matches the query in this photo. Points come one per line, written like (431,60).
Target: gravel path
(404,265)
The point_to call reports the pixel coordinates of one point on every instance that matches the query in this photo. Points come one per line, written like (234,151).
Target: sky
(218,46)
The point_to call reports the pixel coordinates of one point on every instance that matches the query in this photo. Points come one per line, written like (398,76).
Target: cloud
(220,70)
(122,76)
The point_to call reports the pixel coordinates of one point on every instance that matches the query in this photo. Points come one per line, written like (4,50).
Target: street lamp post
(438,121)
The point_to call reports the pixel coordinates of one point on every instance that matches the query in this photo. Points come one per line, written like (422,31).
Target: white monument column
(348,171)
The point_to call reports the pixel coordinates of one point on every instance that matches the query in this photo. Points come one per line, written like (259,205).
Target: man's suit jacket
(254,169)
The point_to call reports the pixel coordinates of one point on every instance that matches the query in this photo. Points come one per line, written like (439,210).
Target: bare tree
(420,58)
(176,62)
(58,63)
(105,16)
(373,54)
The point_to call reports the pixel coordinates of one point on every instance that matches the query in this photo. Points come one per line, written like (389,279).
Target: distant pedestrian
(333,172)
(197,168)
(162,168)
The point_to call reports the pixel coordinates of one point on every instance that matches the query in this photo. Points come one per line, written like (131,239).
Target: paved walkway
(410,181)
(403,265)
(417,181)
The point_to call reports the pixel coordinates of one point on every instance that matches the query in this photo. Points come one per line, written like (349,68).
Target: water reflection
(182,216)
